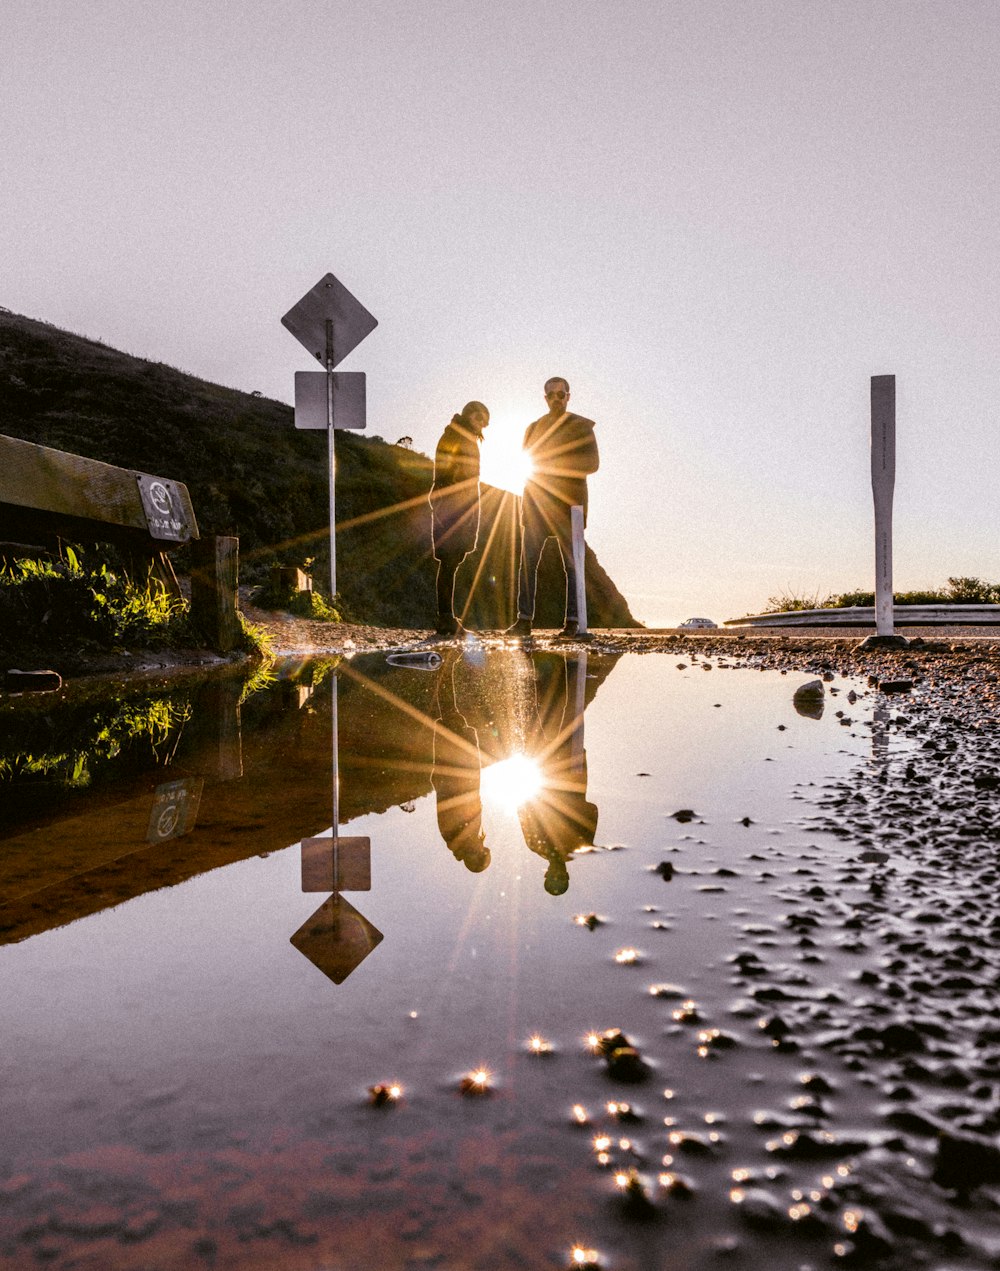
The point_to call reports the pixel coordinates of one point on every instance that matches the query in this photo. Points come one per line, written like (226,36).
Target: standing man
(563,453)
(455,506)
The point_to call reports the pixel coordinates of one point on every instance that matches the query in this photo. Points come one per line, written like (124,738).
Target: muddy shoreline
(912,903)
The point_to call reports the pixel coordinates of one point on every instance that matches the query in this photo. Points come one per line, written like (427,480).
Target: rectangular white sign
(311,409)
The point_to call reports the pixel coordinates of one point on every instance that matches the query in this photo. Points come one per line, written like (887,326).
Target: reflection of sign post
(336,938)
(337,864)
(174,810)
(330,322)
(883,395)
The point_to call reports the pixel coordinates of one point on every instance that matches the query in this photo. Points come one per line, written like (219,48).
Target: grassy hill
(250,473)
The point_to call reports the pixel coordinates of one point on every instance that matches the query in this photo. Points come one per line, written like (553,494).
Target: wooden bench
(49,497)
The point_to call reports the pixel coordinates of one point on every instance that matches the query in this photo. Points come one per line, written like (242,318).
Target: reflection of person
(456,777)
(559,819)
(563,452)
(455,505)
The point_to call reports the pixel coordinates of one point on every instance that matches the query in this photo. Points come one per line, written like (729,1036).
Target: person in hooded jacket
(455,505)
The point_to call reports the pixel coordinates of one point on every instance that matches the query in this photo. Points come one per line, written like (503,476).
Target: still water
(198,996)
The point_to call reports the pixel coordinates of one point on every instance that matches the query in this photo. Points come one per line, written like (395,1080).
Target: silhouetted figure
(559,819)
(563,452)
(456,777)
(455,505)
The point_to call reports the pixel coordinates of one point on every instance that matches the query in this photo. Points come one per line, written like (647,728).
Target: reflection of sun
(503,463)
(511,782)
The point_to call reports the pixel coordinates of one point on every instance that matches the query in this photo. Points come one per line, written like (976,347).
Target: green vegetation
(95,603)
(304,604)
(960,591)
(150,724)
(64,609)
(252,474)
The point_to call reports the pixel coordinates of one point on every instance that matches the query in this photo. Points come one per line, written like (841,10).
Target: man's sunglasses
(556,392)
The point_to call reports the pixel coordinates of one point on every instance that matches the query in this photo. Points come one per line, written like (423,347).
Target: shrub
(304,604)
(960,591)
(44,602)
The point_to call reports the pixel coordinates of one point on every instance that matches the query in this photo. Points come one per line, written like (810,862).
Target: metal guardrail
(864,616)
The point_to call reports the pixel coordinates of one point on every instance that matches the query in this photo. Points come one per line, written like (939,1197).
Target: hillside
(250,473)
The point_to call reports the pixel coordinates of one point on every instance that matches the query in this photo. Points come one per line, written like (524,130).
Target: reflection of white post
(579,701)
(579,567)
(883,396)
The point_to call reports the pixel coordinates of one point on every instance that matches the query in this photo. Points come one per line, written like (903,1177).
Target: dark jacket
(455,492)
(563,453)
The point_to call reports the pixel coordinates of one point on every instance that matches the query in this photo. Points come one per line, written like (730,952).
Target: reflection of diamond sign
(336,938)
(348,399)
(344,865)
(330,301)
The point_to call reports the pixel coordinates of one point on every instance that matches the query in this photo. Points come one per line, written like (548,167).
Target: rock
(964,1163)
(808,699)
(895,686)
(900,1039)
(882,642)
(626,1064)
(759,1209)
(32,681)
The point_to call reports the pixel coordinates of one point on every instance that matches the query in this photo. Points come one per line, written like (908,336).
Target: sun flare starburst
(509,783)
(502,462)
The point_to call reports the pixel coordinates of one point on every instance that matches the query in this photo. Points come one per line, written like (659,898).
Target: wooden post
(213,591)
(220,750)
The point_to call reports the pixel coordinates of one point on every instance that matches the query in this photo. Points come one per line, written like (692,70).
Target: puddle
(230,1040)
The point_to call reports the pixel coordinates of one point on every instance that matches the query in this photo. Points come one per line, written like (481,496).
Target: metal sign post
(332,466)
(330,322)
(883,405)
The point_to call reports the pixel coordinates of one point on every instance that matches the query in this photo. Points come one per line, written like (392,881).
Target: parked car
(699,622)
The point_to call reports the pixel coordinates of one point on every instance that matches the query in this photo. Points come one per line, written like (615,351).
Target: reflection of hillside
(266,773)
(256,777)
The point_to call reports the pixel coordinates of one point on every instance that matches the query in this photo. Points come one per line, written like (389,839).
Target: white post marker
(329,322)
(883,401)
(579,567)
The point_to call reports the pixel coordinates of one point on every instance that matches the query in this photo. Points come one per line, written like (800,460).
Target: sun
(503,463)
(509,783)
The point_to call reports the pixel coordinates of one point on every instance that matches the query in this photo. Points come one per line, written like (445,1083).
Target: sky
(716,218)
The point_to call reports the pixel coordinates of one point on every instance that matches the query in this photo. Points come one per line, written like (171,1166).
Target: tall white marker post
(329,322)
(579,567)
(883,398)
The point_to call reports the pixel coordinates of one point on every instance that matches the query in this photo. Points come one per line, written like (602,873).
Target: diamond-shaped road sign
(329,301)
(311,407)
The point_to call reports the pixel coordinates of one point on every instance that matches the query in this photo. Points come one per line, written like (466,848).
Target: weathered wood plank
(71,488)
